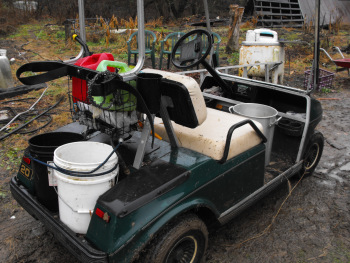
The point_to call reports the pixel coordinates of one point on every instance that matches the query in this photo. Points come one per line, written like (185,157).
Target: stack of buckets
(75,196)
(42,147)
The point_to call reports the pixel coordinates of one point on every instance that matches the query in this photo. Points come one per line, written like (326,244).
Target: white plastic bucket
(77,196)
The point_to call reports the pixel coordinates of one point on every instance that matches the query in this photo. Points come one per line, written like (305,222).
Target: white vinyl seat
(209,138)
(209,135)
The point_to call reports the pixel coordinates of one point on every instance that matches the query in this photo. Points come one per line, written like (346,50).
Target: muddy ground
(312,226)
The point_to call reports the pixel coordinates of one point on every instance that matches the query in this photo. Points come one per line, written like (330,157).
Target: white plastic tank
(6,80)
(262,46)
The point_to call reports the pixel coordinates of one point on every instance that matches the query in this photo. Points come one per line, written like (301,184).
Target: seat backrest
(186,106)
(150,39)
(171,39)
(217,38)
(217,41)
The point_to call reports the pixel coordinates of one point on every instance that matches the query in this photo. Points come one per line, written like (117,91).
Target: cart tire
(183,240)
(312,154)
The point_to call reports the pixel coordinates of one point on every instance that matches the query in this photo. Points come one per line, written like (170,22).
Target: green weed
(11,158)
(326,90)
(233,58)
(60,34)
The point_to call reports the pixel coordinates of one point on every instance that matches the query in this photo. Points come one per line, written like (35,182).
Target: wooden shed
(278,13)
(331,11)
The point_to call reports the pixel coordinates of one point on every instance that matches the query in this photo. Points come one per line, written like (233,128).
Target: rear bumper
(79,247)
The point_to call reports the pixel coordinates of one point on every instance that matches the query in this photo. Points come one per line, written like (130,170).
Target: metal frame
(269,66)
(141,41)
(289,90)
(207,20)
(167,102)
(141,149)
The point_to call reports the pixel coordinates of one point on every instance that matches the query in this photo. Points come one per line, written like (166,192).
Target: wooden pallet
(278,13)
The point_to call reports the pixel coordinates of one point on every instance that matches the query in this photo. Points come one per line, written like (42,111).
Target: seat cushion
(210,137)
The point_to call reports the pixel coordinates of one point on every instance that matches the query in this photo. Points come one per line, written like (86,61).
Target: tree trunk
(236,14)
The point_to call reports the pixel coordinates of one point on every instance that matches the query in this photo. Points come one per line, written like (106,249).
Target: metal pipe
(141,43)
(206,9)
(337,48)
(82,20)
(317,46)
(82,31)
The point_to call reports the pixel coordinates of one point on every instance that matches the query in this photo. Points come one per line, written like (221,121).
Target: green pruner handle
(123,67)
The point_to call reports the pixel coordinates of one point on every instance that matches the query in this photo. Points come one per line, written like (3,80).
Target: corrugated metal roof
(330,10)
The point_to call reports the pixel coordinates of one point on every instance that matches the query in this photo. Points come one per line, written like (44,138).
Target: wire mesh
(113,113)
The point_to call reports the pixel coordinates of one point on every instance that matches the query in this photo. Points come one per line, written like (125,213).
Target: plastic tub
(78,195)
(266,115)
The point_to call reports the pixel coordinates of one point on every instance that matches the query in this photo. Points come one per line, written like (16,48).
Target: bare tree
(236,14)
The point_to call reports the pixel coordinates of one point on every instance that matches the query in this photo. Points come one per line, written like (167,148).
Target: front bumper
(78,246)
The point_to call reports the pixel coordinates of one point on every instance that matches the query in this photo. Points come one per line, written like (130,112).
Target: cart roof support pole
(207,19)
(317,45)
(141,43)
(82,20)
(82,31)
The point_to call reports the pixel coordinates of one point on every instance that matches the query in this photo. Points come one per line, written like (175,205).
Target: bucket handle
(275,122)
(230,109)
(77,211)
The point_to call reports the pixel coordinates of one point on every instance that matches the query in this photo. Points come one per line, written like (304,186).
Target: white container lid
(3,52)
(261,36)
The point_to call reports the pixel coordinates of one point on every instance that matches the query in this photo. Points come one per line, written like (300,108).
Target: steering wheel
(191,51)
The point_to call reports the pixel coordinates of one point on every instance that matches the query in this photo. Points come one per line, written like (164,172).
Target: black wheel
(312,153)
(183,241)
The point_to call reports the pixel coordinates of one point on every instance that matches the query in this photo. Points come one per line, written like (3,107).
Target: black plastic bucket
(148,84)
(42,148)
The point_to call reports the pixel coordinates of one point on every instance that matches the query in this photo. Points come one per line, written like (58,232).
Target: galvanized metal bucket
(266,115)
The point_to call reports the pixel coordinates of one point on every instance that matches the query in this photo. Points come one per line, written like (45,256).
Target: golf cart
(153,158)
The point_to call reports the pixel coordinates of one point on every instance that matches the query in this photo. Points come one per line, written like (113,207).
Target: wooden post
(67,31)
(236,14)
